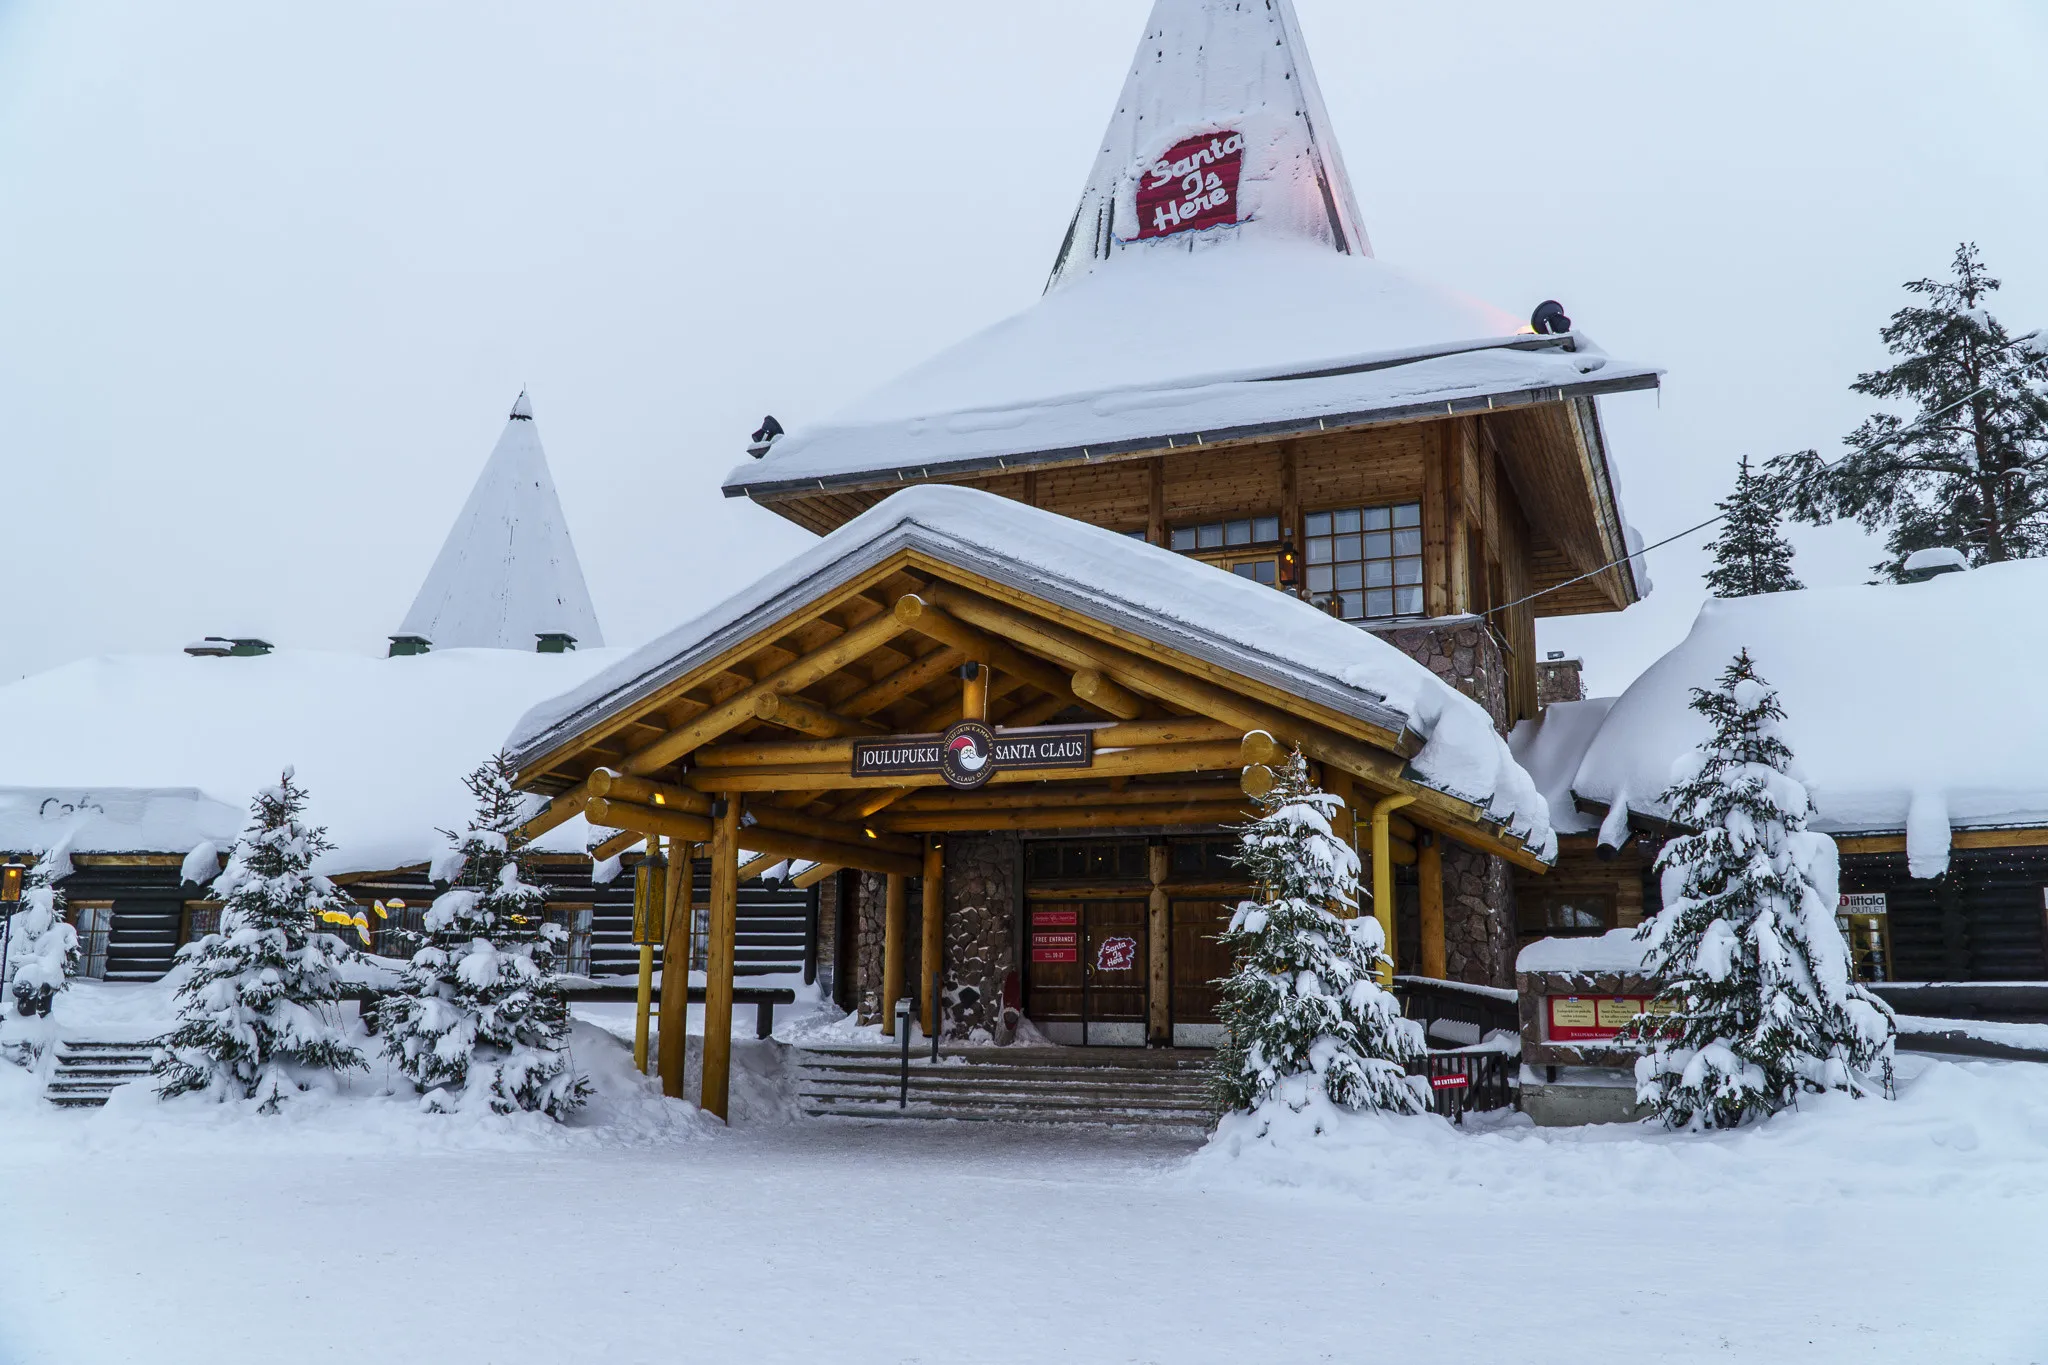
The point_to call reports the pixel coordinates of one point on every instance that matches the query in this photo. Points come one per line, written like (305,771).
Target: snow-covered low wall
(1574,993)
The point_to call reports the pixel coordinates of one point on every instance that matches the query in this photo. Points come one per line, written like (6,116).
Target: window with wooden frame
(1246,546)
(1365,563)
(573,951)
(201,918)
(1564,914)
(94,921)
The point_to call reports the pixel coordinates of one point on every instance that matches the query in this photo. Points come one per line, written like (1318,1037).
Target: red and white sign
(1193,186)
(1116,954)
(1055,919)
(1457,1080)
(1055,947)
(1592,1019)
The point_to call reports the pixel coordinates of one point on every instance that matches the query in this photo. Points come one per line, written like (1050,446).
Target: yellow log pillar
(643,935)
(674,1044)
(725,904)
(1159,980)
(1429,873)
(893,903)
(1383,875)
(934,938)
(974,691)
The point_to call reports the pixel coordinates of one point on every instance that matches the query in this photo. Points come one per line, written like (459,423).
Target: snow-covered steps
(1102,1086)
(87,1072)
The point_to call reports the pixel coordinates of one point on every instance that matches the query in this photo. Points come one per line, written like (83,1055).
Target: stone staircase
(1116,1087)
(87,1072)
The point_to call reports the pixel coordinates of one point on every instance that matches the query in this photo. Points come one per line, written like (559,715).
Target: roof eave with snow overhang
(1126,596)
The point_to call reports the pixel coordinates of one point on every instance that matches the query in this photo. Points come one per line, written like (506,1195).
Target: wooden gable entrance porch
(752,749)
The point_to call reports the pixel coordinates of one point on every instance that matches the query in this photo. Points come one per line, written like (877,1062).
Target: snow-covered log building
(1915,718)
(143,811)
(1231,482)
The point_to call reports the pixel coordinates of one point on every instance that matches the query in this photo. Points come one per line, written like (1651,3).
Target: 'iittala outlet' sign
(1193,186)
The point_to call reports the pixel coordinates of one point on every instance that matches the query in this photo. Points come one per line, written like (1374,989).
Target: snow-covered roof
(1908,707)
(1114,579)
(159,753)
(1617,950)
(508,571)
(1263,313)
(1550,747)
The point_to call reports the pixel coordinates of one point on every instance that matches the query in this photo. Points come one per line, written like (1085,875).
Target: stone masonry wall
(1479,917)
(868,910)
(1464,653)
(1479,889)
(981,877)
(1559,680)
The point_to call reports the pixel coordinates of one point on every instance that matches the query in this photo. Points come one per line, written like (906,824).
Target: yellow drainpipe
(1383,875)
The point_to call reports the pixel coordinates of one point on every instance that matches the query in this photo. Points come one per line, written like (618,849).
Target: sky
(271,275)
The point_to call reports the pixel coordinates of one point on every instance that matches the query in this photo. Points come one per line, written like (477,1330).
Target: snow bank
(1152,592)
(1970,1129)
(1550,749)
(381,745)
(1908,707)
(1617,950)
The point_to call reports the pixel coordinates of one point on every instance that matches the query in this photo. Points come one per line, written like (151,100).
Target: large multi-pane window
(1367,561)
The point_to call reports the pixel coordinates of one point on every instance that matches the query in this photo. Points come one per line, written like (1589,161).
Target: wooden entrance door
(1198,960)
(1085,977)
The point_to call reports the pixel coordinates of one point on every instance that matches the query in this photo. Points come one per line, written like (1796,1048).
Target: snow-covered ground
(355,1228)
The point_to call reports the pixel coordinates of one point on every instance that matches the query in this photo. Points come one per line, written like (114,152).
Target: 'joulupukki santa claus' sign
(1194,185)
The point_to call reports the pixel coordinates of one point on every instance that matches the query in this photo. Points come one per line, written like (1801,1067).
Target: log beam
(715,1086)
(1069,817)
(931,959)
(1429,875)
(914,613)
(557,812)
(757,838)
(738,710)
(676,948)
(1091,686)
(895,904)
(794,713)
(1159,979)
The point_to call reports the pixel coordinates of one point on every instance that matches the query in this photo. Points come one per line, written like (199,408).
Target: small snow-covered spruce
(1751,555)
(1968,469)
(257,1010)
(1746,950)
(479,1018)
(44,951)
(1305,1019)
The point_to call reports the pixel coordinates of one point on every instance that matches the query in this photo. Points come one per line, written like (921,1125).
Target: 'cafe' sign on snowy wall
(1193,186)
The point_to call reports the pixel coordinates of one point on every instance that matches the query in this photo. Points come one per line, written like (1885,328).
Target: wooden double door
(1090,977)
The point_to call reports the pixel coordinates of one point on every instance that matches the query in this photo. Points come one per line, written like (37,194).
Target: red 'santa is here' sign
(1118,954)
(1193,186)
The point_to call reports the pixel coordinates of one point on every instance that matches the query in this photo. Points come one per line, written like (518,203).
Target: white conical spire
(1220,134)
(508,571)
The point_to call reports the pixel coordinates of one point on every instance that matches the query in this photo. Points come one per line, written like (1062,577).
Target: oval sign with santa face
(967,755)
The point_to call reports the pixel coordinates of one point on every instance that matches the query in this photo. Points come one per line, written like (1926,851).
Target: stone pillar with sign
(1575,994)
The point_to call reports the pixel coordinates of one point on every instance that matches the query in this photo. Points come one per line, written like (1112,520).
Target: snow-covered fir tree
(1751,555)
(258,1013)
(1966,470)
(1746,951)
(42,951)
(480,1018)
(1306,1022)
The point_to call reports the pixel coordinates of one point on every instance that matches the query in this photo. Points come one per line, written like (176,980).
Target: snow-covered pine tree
(257,1009)
(44,949)
(480,1017)
(1751,555)
(1973,478)
(1306,1022)
(1746,950)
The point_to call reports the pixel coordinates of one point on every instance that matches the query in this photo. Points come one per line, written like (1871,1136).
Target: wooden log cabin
(1942,828)
(1232,486)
